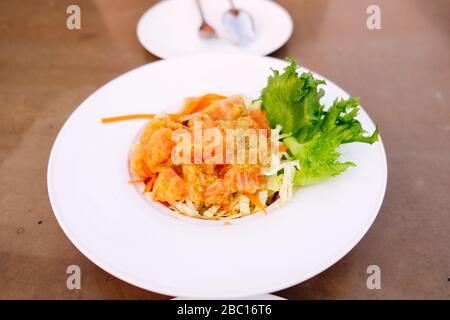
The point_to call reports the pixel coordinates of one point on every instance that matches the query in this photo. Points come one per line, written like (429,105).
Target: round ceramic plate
(141,243)
(258,297)
(170,28)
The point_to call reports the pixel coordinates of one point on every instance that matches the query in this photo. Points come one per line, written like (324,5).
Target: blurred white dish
(170,28)
(258,297)
(115,227)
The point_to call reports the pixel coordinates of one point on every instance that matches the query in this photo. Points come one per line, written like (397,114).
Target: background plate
(170,28)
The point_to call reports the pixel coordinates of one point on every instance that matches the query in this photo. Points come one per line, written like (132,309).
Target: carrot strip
(194,105)
(149,185)
(136,181)
(174,116)
(207,100)
(189,106)
(282,148)
(225,207)
(128,117)
(253,197)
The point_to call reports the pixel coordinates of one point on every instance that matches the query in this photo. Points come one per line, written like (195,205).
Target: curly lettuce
(292,100)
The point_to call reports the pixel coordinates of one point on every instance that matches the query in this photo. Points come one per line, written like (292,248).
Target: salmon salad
(210,189)
(229,156)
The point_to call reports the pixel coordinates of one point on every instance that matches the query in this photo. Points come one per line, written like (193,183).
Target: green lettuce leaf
(318,159)
(293,101)
(318,155)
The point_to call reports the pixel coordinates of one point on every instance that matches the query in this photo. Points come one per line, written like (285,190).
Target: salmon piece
(152,156)
(159,147)
(156,124)
(260,118)
(169,187)
(155,147)
(138,165)
(197,178)
(217,192)
(205,120)
(244,179)
(227,109)
(193,105)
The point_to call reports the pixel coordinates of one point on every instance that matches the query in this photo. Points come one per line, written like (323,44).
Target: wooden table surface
(402,73)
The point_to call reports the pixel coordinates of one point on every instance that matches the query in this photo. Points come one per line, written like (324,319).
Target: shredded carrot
(282,148)
(189,106)
(128,117)
(136,181)
(253,197)
(174,116)
(149,184)
(225,207)
(194,105)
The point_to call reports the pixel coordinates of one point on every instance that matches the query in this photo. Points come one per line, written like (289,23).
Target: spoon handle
(233,8)
(200,10)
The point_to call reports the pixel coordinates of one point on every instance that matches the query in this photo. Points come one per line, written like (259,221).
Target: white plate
(258,297)
(117,229)
(170,28)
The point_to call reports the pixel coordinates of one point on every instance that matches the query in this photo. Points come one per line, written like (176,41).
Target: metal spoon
(205,30)
(239,27)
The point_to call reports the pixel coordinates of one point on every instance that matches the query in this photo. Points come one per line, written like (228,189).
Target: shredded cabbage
(262,195)
(287,182)
(185,208)
(244,205)
(247,102)
(211,211)
(274,182)
(256,104)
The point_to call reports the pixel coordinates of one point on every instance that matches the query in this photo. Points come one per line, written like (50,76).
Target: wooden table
(402,73)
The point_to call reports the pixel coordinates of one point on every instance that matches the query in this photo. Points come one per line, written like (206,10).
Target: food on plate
(206,189)
(225,157)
